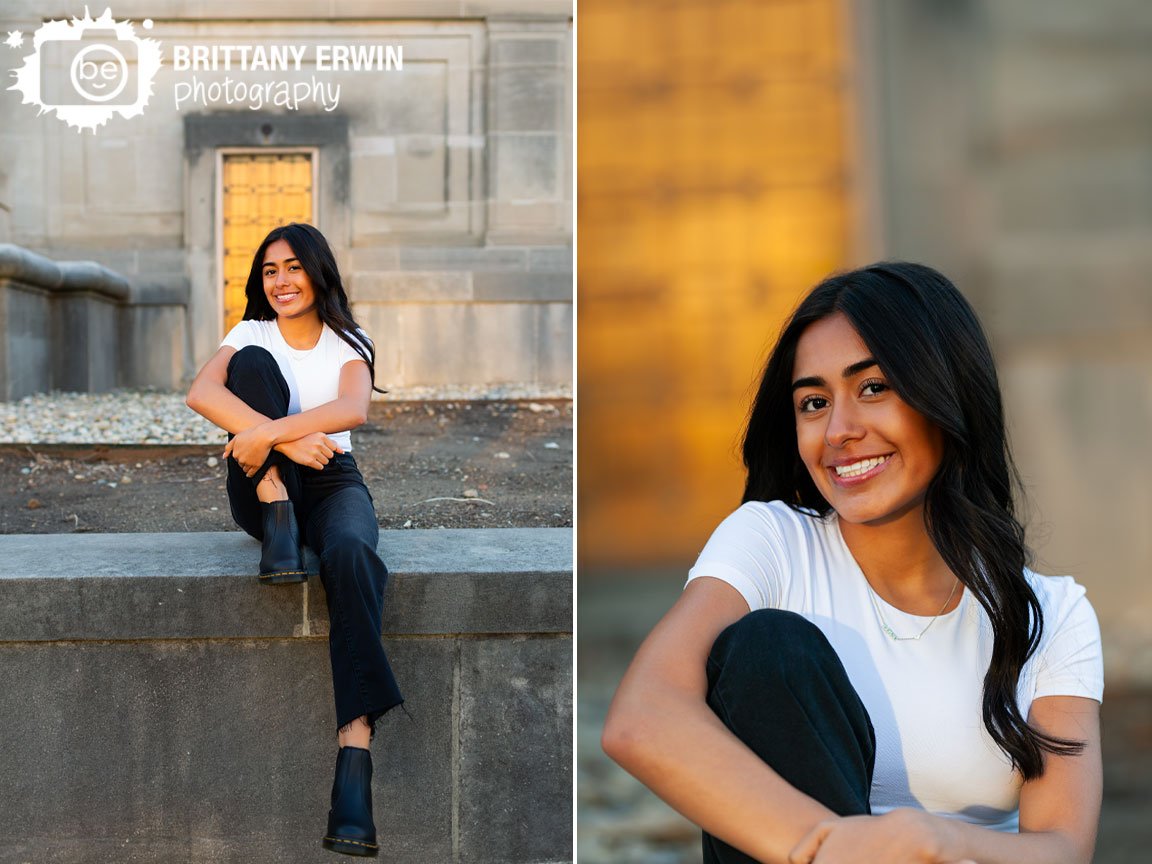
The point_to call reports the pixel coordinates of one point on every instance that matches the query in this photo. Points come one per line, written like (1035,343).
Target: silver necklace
(892,633)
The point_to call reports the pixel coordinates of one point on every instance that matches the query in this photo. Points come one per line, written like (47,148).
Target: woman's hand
(250,449)
(311,451)
(898,837)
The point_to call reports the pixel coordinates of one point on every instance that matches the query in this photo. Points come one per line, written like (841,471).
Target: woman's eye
(873,388)
(268,274)
(812,403)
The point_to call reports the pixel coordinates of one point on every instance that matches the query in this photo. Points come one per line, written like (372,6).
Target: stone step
(162,705)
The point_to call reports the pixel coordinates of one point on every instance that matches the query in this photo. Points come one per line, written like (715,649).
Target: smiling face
(869,453)
(286,285)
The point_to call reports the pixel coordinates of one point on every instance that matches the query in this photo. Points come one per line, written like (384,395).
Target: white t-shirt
(924,697)
(313,376)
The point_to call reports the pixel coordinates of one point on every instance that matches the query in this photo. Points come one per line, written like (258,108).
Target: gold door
(715,187)
(261,191)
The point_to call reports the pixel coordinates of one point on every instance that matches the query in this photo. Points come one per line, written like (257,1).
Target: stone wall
(1014,140)
(445,189)
(169,707)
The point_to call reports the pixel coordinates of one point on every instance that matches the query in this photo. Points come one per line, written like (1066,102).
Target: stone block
(515,744)
(1078,427)
(528,9)
(1064,19)
(153,347)
(242,768)
(401,286)
(26,336)
(528,49)
(372,166)
(472,258)
(555,363)
(1037,287)
(1074,190)
(142,586)
(525,222)
(505,603)
(529,287)
(364,258)
(422,169)
(454,343)
(526,167)
(528,99)
(423,99)
(89,326)
(551,259)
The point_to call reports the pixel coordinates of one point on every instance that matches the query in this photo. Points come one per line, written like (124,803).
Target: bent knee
(769,642)
(250,357)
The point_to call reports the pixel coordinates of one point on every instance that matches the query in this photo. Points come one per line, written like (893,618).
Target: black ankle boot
(281,559)
(350,826)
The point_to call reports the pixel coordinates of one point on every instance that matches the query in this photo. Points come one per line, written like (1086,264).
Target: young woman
(288,383)
(861,668)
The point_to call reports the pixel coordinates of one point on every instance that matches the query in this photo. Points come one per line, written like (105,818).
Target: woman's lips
(847,481)
(286,298)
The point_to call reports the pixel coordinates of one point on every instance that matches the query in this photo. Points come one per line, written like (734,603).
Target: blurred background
(731,153)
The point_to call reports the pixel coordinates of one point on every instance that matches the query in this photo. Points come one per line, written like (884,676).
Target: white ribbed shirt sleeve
(747,551)
(347,352)
(240,336)
(1070,661)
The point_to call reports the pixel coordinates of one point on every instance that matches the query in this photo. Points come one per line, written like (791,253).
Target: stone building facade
(1006,144)
(443,186)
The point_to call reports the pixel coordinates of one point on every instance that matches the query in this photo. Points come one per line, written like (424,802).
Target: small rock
(125,479)
(408,524)
(214,508)
(503,455)
(33,503)
(111,484)
(78,477)
(551,445)
(471,493)
(25,470)
(213,461)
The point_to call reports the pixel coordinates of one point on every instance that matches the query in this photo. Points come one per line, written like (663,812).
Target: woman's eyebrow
(849,371)
(285,261)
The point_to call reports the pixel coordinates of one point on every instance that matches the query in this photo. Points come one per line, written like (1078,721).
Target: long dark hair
(930,346)
(315,256)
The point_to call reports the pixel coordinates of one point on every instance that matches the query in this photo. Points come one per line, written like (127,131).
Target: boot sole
(351,847)
(284,577)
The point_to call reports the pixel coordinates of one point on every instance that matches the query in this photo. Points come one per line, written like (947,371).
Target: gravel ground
(157,417)
(156,465)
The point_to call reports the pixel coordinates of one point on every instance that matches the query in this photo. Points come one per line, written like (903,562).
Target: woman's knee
(249,359)
(768,644)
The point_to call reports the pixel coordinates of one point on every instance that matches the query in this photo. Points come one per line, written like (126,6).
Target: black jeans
(776,682)
(334,510)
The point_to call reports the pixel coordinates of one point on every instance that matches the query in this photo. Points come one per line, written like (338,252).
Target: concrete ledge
(169,707)
(201,586)
(23,265)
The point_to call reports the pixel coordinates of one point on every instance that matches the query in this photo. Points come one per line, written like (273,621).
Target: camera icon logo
(89,70)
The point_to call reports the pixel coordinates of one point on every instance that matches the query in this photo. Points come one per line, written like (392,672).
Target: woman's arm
(209,398)
(255,433)
(1059,811)
(661,730)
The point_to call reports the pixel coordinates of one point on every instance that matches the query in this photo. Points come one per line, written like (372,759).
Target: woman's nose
(843,426)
